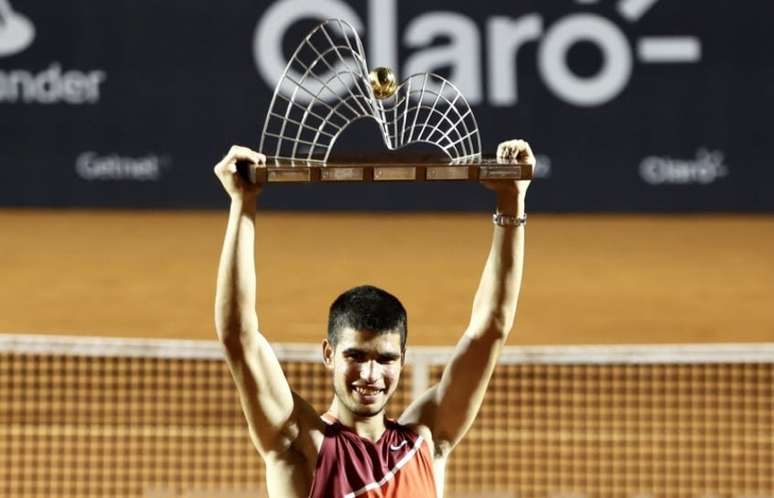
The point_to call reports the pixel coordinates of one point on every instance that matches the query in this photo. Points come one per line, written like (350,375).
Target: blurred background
(641,364)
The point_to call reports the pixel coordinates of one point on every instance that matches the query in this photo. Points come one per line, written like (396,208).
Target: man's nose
(370,371)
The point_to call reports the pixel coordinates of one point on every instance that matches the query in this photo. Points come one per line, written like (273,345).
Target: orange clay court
(590,279)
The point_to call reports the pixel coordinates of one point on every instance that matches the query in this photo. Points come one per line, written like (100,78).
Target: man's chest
(399,464)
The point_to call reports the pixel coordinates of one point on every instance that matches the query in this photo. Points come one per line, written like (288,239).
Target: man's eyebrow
(362,352)
(389,356)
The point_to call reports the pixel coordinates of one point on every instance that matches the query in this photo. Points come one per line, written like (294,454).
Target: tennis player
(353,450)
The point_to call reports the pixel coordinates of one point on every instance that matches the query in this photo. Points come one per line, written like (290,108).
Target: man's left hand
(521,152)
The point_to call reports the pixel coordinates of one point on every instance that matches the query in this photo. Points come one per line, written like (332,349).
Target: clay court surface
(590,279)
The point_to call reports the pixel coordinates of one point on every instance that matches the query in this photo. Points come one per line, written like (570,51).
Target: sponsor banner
(631,105)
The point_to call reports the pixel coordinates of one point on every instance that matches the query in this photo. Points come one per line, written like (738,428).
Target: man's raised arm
(266,398)
(449,408)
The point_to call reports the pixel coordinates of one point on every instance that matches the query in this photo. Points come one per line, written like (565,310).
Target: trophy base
(417,168)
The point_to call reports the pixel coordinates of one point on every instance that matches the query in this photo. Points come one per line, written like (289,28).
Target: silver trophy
(327,85)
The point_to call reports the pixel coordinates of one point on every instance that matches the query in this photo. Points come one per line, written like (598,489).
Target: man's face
(366,368)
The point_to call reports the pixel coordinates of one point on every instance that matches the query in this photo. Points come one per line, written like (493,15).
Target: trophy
(327,85)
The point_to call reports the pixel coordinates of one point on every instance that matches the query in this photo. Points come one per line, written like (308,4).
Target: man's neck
(371,427)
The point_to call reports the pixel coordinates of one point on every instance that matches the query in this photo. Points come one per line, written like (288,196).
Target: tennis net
(87,417)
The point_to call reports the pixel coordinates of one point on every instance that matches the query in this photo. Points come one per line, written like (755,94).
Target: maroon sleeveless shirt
(397,465)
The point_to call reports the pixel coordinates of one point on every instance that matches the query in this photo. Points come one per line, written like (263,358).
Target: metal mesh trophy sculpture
(327,85)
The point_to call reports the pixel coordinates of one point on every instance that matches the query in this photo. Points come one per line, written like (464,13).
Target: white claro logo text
(504,36)
(707,167)
(52,85)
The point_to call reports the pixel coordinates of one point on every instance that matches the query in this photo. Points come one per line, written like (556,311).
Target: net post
(420,376)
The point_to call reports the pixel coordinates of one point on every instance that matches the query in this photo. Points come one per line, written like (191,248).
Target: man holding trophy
(353,450)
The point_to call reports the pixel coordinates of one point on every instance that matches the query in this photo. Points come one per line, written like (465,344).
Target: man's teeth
(367,390)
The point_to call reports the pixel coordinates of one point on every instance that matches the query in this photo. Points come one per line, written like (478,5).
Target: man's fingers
(247,159)
(515,149)
(527,151)
(508,149)
(239,153)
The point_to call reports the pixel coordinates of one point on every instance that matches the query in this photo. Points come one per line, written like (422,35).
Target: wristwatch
(504,220)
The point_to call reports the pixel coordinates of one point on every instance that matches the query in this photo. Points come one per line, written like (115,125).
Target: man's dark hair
(367,308)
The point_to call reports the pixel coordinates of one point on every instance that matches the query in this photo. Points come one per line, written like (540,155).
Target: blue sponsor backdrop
(631,105)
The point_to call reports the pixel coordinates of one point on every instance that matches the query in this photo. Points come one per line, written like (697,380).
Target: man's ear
(327,353)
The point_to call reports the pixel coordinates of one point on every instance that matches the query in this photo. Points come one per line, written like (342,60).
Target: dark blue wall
(129,104)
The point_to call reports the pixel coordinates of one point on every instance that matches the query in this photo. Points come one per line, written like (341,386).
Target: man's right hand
(226,171)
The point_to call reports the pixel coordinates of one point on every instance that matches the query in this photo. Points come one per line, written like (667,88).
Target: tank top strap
(329,419)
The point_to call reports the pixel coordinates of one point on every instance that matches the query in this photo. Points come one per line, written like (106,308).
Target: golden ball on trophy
(383,82)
